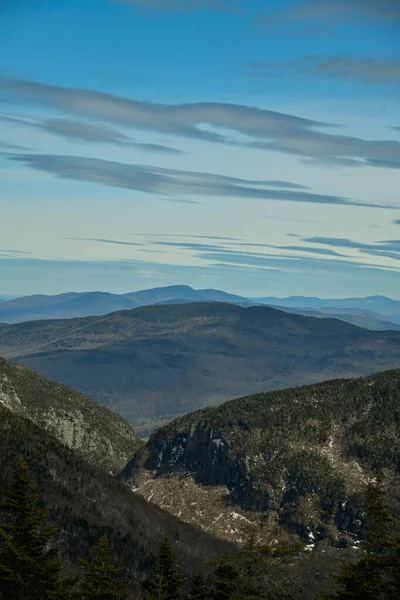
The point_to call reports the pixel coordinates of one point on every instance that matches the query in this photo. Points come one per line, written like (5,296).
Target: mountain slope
(294,461)
(94,432)
(72,304)
(154,363)
(84,502)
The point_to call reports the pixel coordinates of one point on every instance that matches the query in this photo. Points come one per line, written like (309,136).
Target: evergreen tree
(167,582)
(199,589)
(226,576)
(249,573)
(376,576)
(102,579)
(30,565)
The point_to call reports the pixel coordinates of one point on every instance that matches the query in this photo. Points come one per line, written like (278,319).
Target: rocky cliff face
(97,434)
(295,462)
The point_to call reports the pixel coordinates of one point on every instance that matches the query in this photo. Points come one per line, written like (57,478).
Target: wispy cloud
(83,131)
(9,251)
(264,129)
(155,180)
(185,5)
(105,241)
(309,249)
(227,249)
(186,235)
(258,259)
(241,273)
(383,248)
(8,146)
(366,70)
(290,219)
(339,10)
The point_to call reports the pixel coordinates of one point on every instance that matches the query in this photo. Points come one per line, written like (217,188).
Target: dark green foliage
(300,454)
(85,503)
(103,580)
(199,589)
(253,573)
(226,577)
(30,564)
(311,473)
(376,576)
(167,581)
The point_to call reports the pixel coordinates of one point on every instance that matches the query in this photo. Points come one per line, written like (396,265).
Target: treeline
(31,567)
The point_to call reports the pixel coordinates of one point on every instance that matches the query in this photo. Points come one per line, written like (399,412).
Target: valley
(155,363)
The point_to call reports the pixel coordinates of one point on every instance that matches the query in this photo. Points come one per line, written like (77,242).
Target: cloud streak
(365,70)
(337,11)
(184,5)
(166,182)
(105,241)
(228,250)
(264,129)
(384,248)
(82,131)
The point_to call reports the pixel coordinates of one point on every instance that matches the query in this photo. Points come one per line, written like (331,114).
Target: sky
(251,146)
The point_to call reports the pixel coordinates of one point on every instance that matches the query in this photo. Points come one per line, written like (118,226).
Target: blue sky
(250,146)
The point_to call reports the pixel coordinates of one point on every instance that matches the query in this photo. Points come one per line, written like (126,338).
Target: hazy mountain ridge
(154,363)
(72,304)
(92,431)
(362,318)
(295,461)
(376,313)
(376,307)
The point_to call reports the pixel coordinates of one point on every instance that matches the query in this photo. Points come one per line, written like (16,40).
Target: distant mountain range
(378,304)
(154,363)
(376,313)
(361,318)
(5,297)
(70,305)
(366,312)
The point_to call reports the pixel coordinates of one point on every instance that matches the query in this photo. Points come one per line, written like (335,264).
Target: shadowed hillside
(85,502)
(92,431)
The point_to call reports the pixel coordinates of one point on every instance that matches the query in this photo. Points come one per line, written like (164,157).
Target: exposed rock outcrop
(296,461)
(94,432)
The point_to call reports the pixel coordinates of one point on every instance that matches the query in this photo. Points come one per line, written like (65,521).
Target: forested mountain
(154,363)
(92,431)
(376,313)
(282,465)
(72,304)
(85,503)
(291,462)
